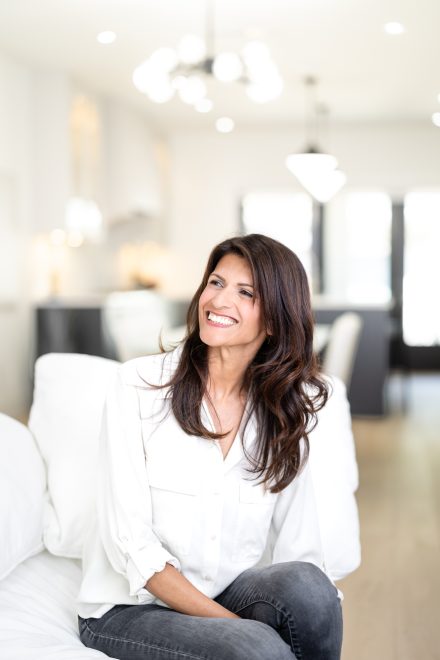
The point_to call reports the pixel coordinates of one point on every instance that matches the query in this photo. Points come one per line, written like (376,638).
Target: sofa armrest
(22,493)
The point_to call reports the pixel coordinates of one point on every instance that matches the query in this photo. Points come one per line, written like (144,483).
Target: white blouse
(165,496)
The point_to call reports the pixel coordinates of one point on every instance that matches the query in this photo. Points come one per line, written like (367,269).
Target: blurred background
(136,134)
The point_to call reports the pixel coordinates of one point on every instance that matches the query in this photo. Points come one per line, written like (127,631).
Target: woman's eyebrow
(217,275)
(238,283)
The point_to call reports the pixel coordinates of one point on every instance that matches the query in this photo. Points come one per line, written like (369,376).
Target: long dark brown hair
(283,385)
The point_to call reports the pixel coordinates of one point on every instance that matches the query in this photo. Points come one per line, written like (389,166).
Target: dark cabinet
(64,329)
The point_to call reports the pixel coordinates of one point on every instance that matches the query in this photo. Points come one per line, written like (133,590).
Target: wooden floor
(392,603)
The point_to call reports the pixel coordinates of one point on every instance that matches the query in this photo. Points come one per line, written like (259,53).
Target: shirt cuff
(333,581)
(142,565)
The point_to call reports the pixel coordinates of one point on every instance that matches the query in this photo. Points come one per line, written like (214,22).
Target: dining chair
(342,346)
(134,321)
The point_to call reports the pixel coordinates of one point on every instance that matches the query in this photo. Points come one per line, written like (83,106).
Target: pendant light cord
(209,29)
(311,120)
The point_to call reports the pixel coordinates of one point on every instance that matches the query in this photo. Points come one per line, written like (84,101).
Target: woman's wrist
(181,595)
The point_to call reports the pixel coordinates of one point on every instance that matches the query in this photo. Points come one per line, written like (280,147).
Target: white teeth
(224,320)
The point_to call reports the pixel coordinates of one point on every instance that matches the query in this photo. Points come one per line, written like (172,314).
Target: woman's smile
(229,307)
(220,320)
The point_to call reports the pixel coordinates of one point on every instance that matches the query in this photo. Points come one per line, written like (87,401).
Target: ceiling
(364,74)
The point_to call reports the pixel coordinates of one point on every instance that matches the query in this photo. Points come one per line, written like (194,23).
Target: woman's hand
(178,593)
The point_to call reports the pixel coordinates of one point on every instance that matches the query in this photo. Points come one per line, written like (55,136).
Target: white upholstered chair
(134,321)
(342,346)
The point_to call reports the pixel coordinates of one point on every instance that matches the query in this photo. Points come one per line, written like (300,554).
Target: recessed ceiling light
(394,28)
(204,105)
(75,239)
(106,37)
(224,125)
(436,119)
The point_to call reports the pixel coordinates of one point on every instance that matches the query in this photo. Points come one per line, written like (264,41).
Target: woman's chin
(209,340)
(212,337)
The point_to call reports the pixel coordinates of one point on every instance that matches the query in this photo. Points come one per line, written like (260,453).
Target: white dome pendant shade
(318,173)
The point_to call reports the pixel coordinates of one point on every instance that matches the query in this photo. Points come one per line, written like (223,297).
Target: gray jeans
(289,610)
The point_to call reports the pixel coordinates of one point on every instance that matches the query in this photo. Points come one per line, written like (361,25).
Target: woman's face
(229,310)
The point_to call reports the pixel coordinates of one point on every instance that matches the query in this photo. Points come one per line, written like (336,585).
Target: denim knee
(303,581)
(253,640)
(310,600)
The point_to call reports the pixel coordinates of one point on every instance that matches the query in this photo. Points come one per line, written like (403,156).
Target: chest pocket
(173,503)
(255,509)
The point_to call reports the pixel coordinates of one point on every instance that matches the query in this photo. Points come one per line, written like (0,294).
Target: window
(358,248)
(421,270)
(286,217)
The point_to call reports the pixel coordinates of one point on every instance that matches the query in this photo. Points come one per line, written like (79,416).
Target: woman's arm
(125,512)
(123,494)
(178,593)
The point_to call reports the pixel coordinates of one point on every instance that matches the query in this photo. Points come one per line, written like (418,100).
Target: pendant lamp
(316,170)
(195,66)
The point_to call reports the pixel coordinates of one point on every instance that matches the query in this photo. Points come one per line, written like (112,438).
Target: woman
(207,543)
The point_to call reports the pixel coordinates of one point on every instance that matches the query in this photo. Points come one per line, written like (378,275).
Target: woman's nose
(222,298)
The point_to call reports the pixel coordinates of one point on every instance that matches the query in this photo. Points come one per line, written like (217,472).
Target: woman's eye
(215,282)
(246,293)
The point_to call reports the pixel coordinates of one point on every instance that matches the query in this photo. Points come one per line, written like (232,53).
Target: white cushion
(65,420)
(335,478)
(38,611)
(22,486)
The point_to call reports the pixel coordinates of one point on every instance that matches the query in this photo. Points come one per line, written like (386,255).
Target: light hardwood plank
(392,603)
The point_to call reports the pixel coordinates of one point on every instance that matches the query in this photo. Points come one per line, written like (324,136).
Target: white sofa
(46,486)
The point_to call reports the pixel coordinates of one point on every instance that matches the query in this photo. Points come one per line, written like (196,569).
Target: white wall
(35,183)
(211,172)
(131,176)
(16,173)
(50,106)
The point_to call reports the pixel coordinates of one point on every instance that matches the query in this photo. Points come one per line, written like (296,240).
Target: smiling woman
(229,311)
(207,517)
(262,332)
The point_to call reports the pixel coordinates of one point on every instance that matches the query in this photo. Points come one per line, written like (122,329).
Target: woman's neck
(226,370)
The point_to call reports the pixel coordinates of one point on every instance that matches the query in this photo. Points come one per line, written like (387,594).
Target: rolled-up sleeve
(123,498)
